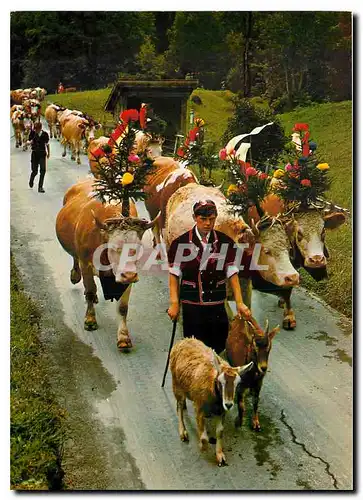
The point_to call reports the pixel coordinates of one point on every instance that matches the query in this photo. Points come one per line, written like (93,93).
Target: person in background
(60,88)
(202,289)
(39,140)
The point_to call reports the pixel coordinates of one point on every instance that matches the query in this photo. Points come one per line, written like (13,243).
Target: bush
(266,146)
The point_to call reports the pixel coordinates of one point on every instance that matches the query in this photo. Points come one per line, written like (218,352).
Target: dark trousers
(38,160)
(206,323)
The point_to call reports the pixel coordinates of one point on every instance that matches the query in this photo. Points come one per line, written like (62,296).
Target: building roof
(149,89)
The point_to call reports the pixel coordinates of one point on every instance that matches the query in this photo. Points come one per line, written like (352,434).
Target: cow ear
(326,252)
(291,228)
(82,125)
(334,220)
(216,362)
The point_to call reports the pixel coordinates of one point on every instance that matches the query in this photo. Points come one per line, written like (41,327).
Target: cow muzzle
(315,261)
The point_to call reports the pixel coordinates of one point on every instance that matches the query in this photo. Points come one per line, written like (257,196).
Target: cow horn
(220,186)
(152,223)
(254,228)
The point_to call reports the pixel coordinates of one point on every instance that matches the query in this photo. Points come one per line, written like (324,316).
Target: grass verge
(36,426)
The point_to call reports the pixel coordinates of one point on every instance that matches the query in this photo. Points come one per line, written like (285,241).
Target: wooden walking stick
(170,347)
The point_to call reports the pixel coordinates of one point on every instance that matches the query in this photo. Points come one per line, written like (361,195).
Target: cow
(74,130)
(144,143)
(32,109)
(272,234)
(16,96)
(83,225)
(40,93)
(51,116)
(17,121)
(308,248)
(70,89)
(167,176)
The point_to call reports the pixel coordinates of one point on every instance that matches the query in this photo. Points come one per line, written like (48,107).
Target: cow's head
(149,144)
(274,236)
(310,235)
(123,236)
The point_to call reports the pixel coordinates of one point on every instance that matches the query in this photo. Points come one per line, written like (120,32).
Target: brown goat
(200,375)
(245,343)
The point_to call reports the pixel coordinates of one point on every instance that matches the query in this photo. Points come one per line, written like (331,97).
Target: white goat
(200,375)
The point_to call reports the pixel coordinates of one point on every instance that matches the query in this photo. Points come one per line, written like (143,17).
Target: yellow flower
(232,188)
(127,178)
(322,166)
(199,122)
(279,173)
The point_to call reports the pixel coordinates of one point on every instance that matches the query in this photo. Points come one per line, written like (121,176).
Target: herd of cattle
(288,241)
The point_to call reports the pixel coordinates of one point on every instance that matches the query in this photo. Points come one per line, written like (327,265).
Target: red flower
(181,152)
(306,183)
(300,127)
(294,175)
(251,171)
(244,166)
(222,154)
(129,115)
(193,134)
(263,176)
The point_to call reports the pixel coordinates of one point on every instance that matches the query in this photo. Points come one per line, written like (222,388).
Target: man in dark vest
(203,274)
(39,140)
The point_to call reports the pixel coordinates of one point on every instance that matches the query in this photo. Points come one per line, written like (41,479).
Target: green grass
(330,126)
(36,427)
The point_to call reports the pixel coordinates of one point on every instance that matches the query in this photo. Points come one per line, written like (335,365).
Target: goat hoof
(281,303)
(221,459)
(90,325)
(289,324)
(203,444)
(184,437)
(256,427)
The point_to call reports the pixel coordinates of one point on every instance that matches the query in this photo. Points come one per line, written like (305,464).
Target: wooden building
(168,98)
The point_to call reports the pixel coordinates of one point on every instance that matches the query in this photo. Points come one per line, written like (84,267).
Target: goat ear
(273,332)
(245,368)
(216,362)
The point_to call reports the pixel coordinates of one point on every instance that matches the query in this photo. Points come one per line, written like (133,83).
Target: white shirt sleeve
(231,270)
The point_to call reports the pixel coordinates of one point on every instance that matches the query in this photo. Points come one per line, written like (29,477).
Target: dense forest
(288,58)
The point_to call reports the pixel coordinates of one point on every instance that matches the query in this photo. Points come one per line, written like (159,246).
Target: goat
(248,342)
(200,375)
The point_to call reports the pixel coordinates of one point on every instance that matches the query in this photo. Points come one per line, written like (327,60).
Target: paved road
(123,426)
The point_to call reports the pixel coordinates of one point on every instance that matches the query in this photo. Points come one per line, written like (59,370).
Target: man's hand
(173,311)
(243,311)
(48,155)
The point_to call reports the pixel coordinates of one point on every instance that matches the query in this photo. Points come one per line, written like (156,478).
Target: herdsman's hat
(205,208)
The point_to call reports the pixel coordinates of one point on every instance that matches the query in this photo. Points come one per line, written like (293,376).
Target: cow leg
(289,322)
(123,337)
(75,272)
(90,291)
(50,125)
(64,142)
(255,399)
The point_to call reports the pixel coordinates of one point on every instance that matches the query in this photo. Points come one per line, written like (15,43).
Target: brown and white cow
(274,245)
(168,176)
(83,225)
(17,121)
(51,116)
(74,130)
(32,109)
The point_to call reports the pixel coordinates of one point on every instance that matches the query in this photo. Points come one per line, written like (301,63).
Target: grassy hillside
(331,128)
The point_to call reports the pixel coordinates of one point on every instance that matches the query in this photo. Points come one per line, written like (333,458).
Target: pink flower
(134,158)
(289,167)
(306,183)
(222,154)
(251,171)
(263,176)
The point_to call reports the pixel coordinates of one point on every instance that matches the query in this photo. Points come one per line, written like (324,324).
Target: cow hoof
(75,276)
(17,145)
(63,154)
(256,427)
(203,444)
(212,440)
(124,344)
(90,324)
(78,161)
(289,324)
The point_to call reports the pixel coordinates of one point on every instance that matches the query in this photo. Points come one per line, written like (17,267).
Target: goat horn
(152,223)
(266,326)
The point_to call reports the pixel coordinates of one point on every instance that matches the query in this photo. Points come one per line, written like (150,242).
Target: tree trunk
(246,61)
